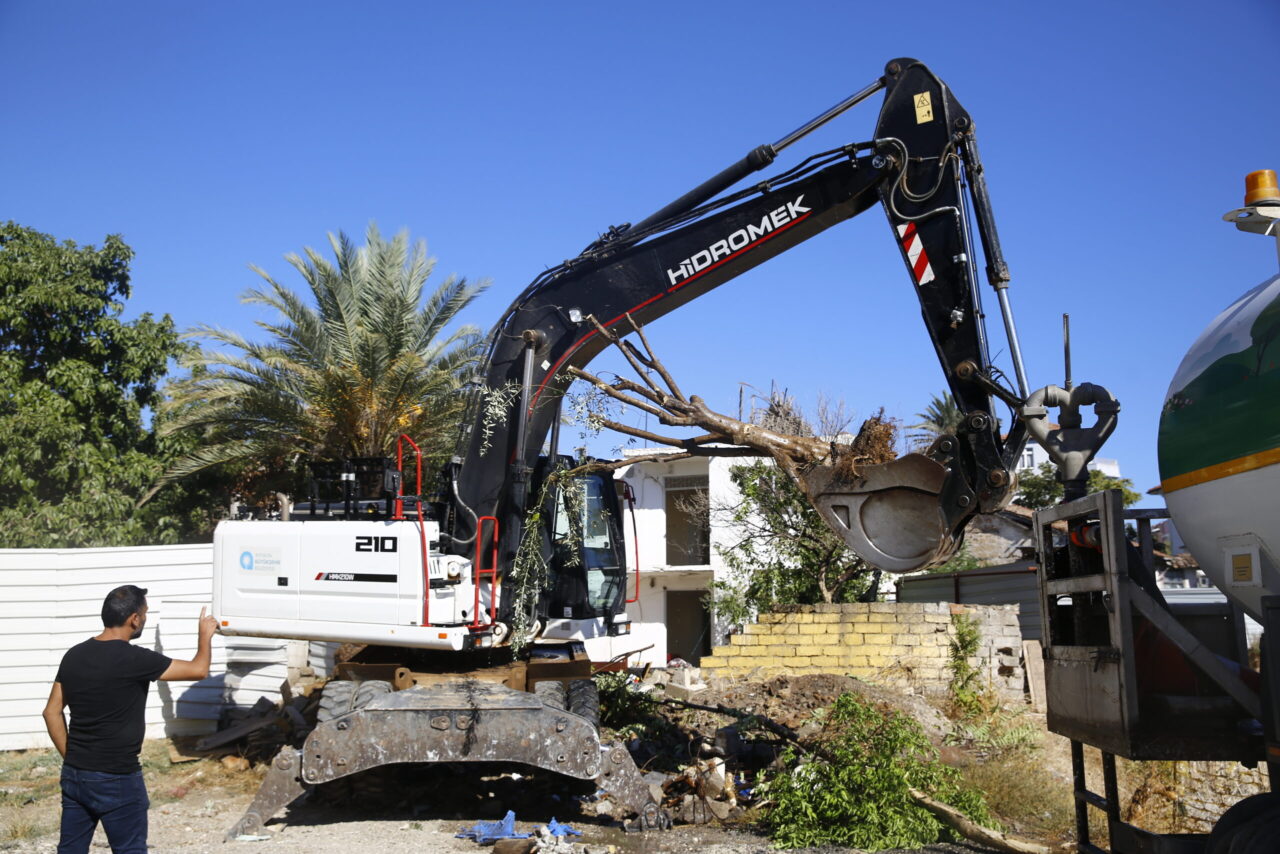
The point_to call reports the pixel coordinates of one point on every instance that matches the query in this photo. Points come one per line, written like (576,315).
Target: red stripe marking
(910,232)
(921,264)
(319,575)
(577,344)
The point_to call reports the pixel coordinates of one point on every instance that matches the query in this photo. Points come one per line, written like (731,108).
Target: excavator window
(588,543)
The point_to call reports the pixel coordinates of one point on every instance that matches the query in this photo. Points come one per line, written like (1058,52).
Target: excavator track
(467,721)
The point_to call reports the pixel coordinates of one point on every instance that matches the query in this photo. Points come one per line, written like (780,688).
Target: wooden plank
(1033,666)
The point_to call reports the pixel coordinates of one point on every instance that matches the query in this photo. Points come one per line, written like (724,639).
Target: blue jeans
(119,801)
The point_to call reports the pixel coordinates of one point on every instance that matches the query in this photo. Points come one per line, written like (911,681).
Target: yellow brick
(826,618)
(712,661)
(800,662)
(826,661)
(875,629)
(882,618)
(771,663)
(814,628)
(771,619)
(755,629)
(809,649)
(781,650)
(852,639)
(877,659)
(802,618)
(745,640)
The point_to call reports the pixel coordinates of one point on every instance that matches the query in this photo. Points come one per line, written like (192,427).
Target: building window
(688,521)
(1028,458)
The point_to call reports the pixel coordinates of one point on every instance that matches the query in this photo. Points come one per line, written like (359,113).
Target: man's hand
(208,625)
(198,667)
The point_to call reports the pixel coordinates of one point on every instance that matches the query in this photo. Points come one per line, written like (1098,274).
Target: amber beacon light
(1260,188)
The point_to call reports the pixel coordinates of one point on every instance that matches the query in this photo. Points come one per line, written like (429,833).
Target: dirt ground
(194,803)
(196,825)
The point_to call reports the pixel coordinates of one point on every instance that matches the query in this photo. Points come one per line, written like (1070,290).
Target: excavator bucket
(890,514)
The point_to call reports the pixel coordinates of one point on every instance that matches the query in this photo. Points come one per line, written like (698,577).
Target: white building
(1034,455)
(676,545)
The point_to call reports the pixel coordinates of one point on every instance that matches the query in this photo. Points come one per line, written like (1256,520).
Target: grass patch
(17,825)
(1018,790)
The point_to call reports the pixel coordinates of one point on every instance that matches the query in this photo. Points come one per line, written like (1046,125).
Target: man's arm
(198,667)
(54,721)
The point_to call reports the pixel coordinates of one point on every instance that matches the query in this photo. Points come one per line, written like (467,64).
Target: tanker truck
(1127,674)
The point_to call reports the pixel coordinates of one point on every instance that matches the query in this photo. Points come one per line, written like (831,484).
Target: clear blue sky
(215,135)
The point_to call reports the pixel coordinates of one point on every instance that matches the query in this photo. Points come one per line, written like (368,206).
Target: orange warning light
(443,636)
(225,623)
(1260,188)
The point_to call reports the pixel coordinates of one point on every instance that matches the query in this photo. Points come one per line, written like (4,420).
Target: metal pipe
(815,123)
(756,160)
(526,387)
(1015,349)
(1066,348)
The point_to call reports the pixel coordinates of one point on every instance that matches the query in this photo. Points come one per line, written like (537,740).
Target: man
(105,681)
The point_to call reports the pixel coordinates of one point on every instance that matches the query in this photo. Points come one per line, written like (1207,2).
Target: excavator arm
(922,168)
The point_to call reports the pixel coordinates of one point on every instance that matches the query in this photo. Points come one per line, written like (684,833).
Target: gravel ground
(197,824)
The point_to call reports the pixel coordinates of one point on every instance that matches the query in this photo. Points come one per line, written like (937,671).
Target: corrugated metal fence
(51,599)
(1017,583)
(1010,584)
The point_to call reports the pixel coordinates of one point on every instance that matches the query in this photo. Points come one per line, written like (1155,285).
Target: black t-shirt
(105,685)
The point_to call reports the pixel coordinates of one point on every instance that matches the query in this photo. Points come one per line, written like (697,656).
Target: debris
(249,837)
(515,846)
(235,763)
(556,828)
(235,733)
(684,682)
(261,730)
(488,832)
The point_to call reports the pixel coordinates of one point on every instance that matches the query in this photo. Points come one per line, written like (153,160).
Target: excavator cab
(587,568)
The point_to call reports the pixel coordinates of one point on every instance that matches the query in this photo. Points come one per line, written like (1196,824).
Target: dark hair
(121,604)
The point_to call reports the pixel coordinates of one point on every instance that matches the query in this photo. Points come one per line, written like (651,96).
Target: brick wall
(1207,789)
(906,644)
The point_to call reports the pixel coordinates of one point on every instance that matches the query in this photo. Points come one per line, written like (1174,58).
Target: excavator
(503,552)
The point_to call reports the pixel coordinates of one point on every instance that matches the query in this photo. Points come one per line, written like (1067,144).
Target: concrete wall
(51,599)
(902,644)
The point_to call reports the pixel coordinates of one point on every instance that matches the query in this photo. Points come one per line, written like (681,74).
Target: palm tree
(342,377)
(940,417)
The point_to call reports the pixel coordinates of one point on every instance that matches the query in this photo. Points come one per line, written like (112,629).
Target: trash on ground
(489,832)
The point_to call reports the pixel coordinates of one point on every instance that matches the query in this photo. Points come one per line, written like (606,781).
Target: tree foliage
(941,417)
(343,374)
(75,379)
(1041,488)
(856,791)
(784,553)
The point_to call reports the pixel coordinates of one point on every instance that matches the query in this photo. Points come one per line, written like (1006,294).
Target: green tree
(75,454)
(941,417)
(1041,488)
(343,375)
(785,553)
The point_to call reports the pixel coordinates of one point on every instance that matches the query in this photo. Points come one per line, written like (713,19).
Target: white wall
(51,599)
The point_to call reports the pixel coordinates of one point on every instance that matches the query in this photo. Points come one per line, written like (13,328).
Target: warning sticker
(924,108)
(1242,568)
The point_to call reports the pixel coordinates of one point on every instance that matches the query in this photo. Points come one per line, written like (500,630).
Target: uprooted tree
(784,553)
(786,440)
